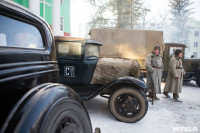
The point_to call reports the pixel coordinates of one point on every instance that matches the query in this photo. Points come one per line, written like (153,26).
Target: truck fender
(197,71)
(126,80)
(31,111)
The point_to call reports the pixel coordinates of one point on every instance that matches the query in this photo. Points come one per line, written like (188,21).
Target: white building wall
(34,6)
(195,26)
(56,18)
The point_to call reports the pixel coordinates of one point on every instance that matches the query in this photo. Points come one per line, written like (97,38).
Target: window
(92,50)
(61,24)
(195,54)
(14,33)
(196,33)
(195,44)
(69,50)
(61,2)
(3,40)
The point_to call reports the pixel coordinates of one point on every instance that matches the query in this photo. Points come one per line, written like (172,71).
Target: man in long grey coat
(175,76)
(154,65)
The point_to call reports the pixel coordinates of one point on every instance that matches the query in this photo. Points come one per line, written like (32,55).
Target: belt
(156,67)
(179,68)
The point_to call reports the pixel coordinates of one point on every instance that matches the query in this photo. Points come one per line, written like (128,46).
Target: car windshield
(91,50)
(71,50)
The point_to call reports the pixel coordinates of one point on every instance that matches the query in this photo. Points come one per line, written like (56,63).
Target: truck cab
(78,59)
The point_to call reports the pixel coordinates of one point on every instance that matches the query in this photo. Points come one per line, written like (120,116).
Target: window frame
(63,41)
(195,55)
(27,19)
(196,33)
(196,44)
(86,44)
(62,24)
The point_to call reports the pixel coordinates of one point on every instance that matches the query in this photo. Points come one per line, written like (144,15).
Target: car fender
(39,101)
(126,80)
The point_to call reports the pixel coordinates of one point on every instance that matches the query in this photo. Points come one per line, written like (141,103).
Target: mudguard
(197,71)
(38,100)
(126,80)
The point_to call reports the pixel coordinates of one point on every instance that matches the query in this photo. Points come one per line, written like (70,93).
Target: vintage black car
(191,64)
(31,99)
(77,59)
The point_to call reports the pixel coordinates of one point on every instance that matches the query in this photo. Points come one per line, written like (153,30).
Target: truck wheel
(198,80)
(67,117)
(127,104)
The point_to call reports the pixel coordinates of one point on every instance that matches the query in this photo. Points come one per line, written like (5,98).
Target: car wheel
(127,104)
(198,79)
(66,117)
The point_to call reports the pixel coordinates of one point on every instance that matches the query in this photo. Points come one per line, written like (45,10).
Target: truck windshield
(70,50)
(91,50)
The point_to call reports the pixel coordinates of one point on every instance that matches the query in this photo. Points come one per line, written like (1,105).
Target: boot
(176,98)
(166,94)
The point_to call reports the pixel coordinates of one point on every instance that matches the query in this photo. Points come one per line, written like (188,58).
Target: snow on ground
(160,118)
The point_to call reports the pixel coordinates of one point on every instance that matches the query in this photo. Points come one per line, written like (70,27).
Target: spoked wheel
(128,104)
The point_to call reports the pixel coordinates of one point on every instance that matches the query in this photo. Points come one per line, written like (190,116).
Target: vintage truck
(31,99)
(82,69)
(191,64)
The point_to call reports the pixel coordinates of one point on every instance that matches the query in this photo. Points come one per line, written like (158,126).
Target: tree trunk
(131,13)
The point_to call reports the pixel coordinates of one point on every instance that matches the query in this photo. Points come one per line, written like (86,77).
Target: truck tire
(198,80)
(67,116)
(128,104)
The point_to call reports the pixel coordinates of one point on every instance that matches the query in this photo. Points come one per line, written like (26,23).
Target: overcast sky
(82,11)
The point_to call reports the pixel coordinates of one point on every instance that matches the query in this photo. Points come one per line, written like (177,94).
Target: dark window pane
(69,50)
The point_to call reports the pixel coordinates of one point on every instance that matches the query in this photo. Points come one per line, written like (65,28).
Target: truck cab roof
(176,44)
(87,41)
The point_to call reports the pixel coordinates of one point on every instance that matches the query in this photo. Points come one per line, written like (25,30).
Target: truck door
(91,56)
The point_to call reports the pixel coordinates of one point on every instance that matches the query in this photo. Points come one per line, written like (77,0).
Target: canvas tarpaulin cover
(109,69)
(130,44)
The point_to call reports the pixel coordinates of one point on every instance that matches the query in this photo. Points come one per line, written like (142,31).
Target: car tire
(128,104)
(67,116)
(198,80)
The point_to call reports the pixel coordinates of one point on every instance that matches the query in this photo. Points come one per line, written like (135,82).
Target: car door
(24,57)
